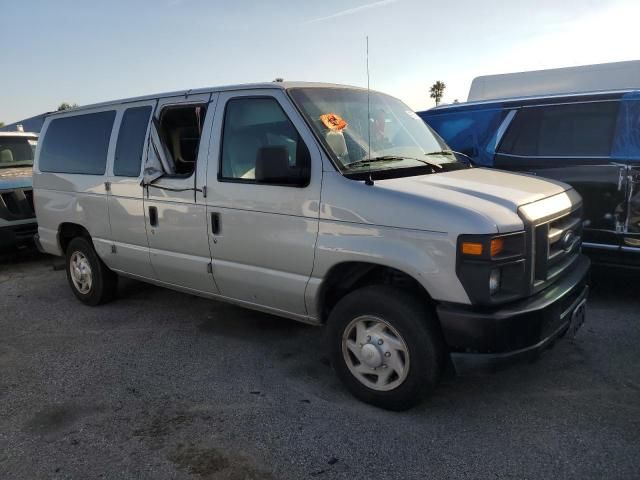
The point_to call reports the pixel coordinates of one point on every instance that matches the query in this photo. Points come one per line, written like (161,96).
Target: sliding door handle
(215,223)
(153,216)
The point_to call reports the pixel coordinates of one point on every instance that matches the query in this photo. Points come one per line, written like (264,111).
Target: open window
(179,130)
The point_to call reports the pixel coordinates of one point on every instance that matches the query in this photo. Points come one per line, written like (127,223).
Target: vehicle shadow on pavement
(21,256)
(598,362)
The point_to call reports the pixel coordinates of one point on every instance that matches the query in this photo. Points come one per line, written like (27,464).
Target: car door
(262,234)
(632,223)
(130,248)
(572,143)
(175,213)
(627,148)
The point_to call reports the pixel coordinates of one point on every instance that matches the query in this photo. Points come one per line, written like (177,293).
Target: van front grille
(556,246)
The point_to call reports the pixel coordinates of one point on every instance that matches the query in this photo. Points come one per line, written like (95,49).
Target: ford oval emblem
(568,239)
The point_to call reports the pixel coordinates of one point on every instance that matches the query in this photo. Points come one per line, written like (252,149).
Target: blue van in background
(588,140)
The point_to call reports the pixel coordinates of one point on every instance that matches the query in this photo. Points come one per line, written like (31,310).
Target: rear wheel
(90,279)
(385,346)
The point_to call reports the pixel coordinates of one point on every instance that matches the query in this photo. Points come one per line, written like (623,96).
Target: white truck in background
(556,81)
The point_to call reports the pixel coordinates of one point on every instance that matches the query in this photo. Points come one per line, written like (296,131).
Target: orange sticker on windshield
(333,121)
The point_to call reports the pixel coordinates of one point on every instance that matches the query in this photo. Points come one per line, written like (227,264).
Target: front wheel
(385,346)
(90,279)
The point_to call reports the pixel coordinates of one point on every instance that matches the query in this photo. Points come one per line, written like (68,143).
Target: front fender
(427,257)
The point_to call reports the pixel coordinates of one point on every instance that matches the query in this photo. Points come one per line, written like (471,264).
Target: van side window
(259,126)
(581,129)
(77,144)
(133,130)
(181,129)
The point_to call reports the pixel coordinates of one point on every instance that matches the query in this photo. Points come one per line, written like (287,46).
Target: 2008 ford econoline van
(323,204)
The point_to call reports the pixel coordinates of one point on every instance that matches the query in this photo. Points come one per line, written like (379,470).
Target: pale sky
(86,52)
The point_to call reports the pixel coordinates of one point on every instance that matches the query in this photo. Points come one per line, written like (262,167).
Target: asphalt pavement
(163,385)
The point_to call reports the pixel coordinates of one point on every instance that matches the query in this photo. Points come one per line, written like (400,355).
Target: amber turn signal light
(497,246)
(472,248)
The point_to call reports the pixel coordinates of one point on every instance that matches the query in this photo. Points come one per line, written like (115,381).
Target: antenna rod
(370,180)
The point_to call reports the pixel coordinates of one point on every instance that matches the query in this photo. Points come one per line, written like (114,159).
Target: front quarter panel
(428,257)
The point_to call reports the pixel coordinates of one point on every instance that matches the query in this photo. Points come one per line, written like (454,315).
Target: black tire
(413,320)
(103,281)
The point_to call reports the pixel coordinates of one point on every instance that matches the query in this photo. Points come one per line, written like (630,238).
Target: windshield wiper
(391,158)
(453,152)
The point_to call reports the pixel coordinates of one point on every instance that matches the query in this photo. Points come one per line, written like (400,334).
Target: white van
(320,203)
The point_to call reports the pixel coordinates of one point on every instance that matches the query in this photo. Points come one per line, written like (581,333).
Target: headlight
(492,268)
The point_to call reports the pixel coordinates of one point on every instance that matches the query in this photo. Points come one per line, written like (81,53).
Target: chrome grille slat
(555,233)
(551,253)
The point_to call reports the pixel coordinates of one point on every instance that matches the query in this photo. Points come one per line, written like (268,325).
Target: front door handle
(153,216)
(215,223)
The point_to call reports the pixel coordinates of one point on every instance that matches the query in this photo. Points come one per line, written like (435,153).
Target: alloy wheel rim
(375,353)
(81,274)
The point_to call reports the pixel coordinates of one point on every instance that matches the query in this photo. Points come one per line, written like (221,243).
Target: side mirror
(272,167)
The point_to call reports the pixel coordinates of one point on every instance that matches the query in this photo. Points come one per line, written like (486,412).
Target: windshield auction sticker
(333,122)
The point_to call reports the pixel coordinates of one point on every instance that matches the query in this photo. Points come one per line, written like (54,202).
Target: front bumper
(487,339)
(18,234)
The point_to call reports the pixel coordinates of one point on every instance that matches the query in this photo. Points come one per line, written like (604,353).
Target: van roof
(555,98)
(195,91)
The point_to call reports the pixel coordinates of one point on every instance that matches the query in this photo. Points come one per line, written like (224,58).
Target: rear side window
(77,144)
(581,129)
(133,130)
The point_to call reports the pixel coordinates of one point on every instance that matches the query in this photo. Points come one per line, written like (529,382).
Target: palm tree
(437,91)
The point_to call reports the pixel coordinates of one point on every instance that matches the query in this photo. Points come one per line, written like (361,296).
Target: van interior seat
(184,144)
(6,156)
(180,126)
(240,154)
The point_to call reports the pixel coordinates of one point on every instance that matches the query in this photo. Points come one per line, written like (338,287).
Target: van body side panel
(264,250)
(353,229)
(427,257)
(178,242)
(632,223)
(560,140)
(627,148)
(126,211)
(72,198)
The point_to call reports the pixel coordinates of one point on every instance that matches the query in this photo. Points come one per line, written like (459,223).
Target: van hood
(509,190)
(17,177)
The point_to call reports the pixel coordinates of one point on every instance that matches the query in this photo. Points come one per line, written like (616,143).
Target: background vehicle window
(468,131)
(582,129)
(133,129)
(16,152)
(251,124)
(77,144)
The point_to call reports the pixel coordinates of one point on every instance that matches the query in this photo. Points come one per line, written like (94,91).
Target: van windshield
(375,132)
(16,151)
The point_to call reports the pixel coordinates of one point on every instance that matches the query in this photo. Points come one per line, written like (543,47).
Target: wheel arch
(345,277)
(67,231)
